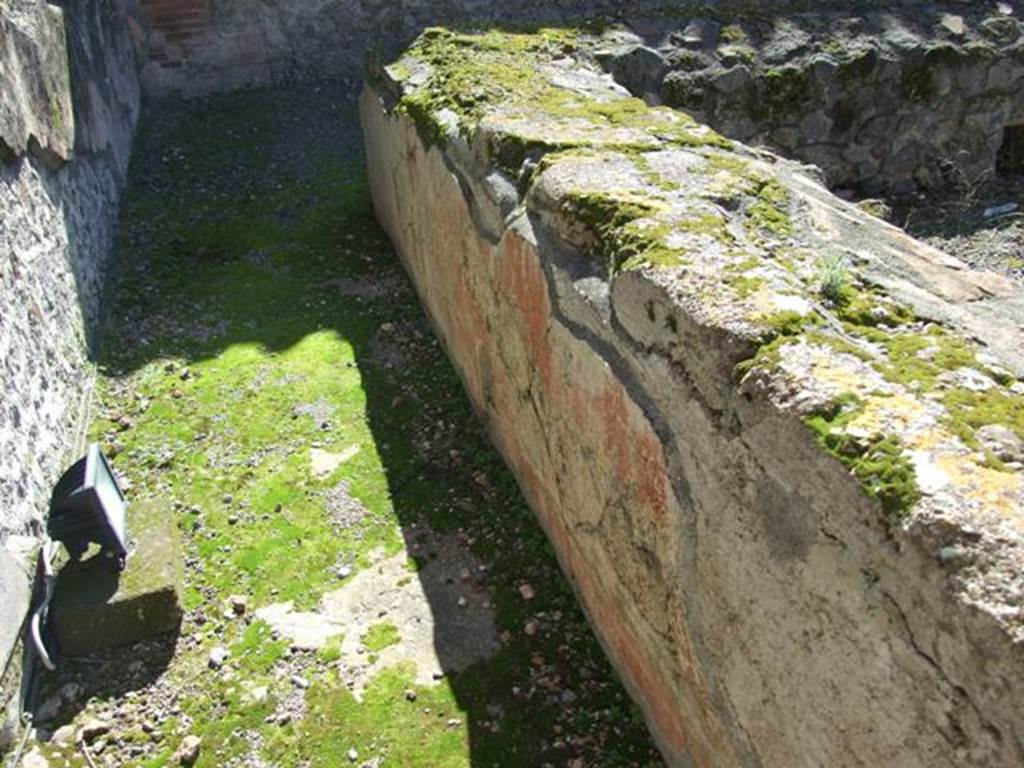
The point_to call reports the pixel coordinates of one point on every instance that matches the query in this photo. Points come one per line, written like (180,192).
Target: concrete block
(95,608)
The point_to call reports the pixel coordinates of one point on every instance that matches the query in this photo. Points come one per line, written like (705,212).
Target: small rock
(954,556)
(1002,441)
(527,592)
(967,378)
(64,735)
(34,759)
(353,755)
(410,695)
(300,682)
(188,751)
(92,730)
(239,603)
(953,24)
(344,572)
(454,722)
(531,627)
(218,656)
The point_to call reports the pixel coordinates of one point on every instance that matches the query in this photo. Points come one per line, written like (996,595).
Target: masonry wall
(197,46)
(68,110)
(884,97)
(761,601)
(882,102)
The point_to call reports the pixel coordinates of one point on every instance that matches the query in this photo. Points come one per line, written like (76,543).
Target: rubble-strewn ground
(267,368)
(980,221)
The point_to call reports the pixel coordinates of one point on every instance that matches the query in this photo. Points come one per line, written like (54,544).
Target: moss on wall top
(906,403)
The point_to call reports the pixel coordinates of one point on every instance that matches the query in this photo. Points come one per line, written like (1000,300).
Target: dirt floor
(980,221)
(365,584)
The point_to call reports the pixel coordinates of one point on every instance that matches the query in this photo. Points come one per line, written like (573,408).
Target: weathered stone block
(35,102)
(746,413)
(95,608)
(14,601)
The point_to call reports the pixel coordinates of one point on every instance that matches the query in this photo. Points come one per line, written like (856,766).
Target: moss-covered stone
(471,75)
(94,607)
(784,92)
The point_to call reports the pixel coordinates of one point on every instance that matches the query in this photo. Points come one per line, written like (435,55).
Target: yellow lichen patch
(992,489)
(897,413)
(840,374)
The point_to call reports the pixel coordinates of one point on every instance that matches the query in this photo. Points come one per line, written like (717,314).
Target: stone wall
(197,46)
(68,108)
(883,102)
(68,129)
(884,97)
(776,443)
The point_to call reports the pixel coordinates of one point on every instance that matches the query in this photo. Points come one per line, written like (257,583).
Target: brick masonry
(176,27)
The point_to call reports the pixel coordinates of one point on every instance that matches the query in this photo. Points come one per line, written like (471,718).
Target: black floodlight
(87,506)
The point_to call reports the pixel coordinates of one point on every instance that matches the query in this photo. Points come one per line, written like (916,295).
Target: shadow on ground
(261,323)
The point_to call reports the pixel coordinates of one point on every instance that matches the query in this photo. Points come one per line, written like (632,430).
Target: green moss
(877,208)
(732,33)
(786,323)
(970,410)
(920,358)
(712,225)
(839,344)
(769,210)
(767,356)
(688,61)
(471,73)
(331,652)
(56,112)
(744,286)
(918,83)
(783,93)
(880,463)
(869,309)
(381,635)
(834,47)
(626,236)
(766,201)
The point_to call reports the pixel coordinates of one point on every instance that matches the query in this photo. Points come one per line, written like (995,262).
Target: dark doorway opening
(1011,153)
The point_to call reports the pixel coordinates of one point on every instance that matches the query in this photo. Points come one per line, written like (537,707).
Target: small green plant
(732,33)
(833,277)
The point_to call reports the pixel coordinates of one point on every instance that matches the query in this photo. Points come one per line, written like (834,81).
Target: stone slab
(94,608)
(14,598)
(14,602)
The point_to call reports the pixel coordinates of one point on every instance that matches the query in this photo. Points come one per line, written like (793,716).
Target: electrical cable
(46,554)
